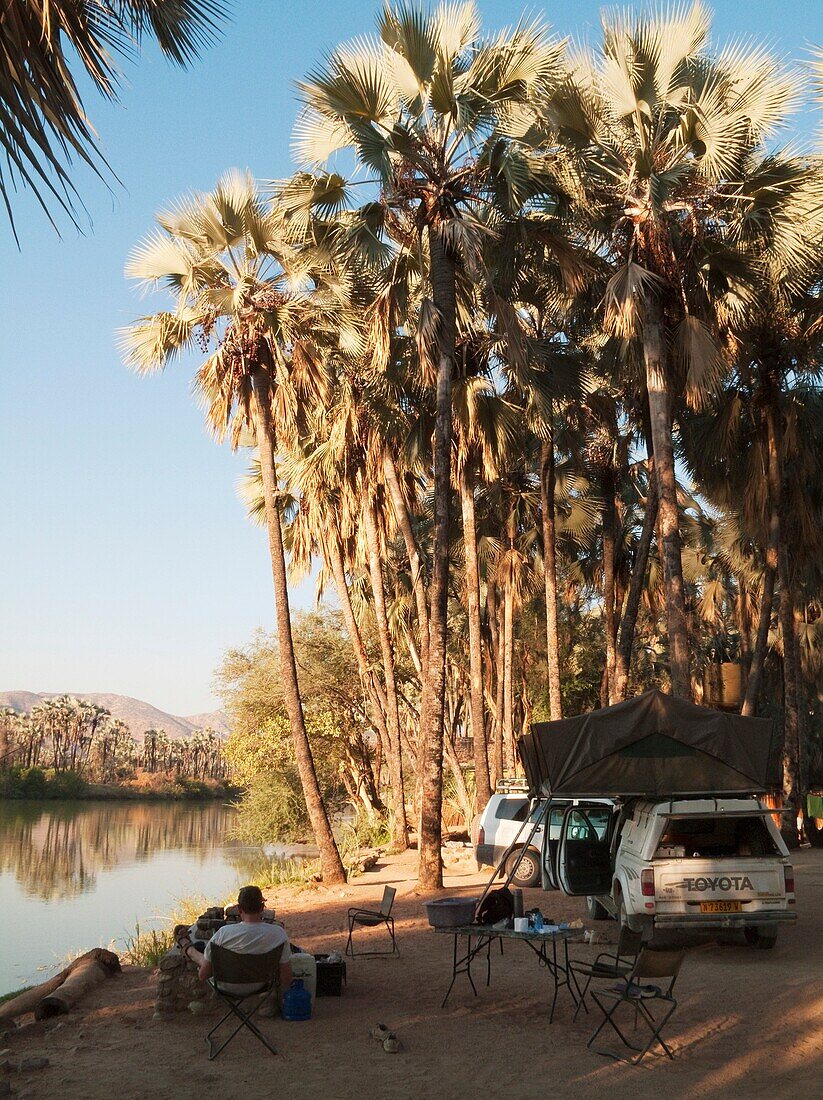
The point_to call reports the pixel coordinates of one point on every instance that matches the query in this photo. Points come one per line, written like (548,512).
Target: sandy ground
(750,1023)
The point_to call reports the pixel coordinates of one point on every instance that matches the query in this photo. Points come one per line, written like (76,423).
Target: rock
(196,1008)
(7,1066)
(5,1088)
(171,960)
(32,1062)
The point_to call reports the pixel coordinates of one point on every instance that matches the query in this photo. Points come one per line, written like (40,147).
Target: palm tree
(747,440)
(485,428)
(441,120)
(664,128)
(231,269)
(42,120)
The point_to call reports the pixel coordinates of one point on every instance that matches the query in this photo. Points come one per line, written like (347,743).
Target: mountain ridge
(138,715)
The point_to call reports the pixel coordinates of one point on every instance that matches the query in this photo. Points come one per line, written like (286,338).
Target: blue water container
(297,1002)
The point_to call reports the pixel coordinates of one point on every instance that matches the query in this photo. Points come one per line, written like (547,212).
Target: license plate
(720,907)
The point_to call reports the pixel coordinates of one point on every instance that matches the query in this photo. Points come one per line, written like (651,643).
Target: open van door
(552,825)
(583,863)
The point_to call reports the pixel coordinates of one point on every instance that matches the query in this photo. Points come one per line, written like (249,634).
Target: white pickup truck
(691,864)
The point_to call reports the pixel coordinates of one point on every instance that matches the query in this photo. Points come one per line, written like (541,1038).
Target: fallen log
(90,969)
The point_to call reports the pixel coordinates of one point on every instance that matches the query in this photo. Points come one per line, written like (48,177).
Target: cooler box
(330,976)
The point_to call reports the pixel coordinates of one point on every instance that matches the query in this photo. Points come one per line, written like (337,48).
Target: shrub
(66,785)
(32,783)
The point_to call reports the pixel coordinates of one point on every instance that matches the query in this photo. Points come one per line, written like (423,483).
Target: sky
(126,562)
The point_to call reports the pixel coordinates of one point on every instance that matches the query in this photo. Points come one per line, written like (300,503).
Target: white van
(498,828)
(694,864)
(501,832)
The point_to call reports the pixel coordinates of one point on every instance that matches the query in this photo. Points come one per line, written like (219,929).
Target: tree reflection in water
(55,849)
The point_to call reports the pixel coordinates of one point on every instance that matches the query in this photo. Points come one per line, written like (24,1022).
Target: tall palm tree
(663,127)
(441,120)
(232,270)
(485,430)
(747,440)
(43,123)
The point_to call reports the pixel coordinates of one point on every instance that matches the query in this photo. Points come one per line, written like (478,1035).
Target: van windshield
(715,838)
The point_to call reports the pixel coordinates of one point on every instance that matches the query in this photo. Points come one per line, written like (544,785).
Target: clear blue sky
(126,562)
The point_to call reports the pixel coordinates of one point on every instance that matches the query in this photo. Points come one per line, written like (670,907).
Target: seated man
(250,936)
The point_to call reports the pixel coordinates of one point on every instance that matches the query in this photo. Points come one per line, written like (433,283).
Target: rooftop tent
(654,745)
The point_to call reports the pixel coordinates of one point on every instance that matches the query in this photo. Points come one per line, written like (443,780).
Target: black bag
(497,905)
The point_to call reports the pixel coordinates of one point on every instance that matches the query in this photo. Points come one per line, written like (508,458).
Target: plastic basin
(451,912)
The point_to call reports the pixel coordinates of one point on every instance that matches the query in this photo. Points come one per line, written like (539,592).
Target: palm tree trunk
(497,660)
(334,558)
(377,697)
(609,519)
(331,865)
(743,632)
(508,647)
(785,610)
(483,790)
(430,873)
(547,509)
(660,417)
(401,513)
(399,824)
(761,645)
(792,795)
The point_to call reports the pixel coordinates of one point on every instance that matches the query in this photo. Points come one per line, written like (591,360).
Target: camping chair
(632,991)
(232,967)
(370,918)
(608,964)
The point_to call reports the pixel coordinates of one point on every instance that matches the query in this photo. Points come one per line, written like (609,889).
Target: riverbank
(40,783)
(749,1022)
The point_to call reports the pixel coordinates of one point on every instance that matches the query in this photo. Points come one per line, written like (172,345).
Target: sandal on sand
(380,1032)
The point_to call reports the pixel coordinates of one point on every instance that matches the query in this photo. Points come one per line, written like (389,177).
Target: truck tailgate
(749,885)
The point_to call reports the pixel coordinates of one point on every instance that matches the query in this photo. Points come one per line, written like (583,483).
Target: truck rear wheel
(528,870)
(595,910)
(762,938)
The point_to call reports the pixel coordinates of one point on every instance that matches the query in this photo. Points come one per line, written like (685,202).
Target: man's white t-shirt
(249,939)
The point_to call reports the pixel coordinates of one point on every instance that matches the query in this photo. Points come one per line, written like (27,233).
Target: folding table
(479,938)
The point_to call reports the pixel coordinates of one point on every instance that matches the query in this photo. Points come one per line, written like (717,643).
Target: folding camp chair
(370,918)
(609,965)
(632,991)
(234,968)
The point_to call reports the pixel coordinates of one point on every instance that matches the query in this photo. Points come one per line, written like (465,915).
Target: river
(76,875)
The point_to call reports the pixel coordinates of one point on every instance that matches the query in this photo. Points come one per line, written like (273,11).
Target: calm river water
(75,875)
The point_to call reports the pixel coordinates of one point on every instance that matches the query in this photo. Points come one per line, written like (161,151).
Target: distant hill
(137,715)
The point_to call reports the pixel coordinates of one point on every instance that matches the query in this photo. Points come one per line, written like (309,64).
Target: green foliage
(67,785)
(272,809)
(147,948)
(41,783)
(259,751)
(372,832)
